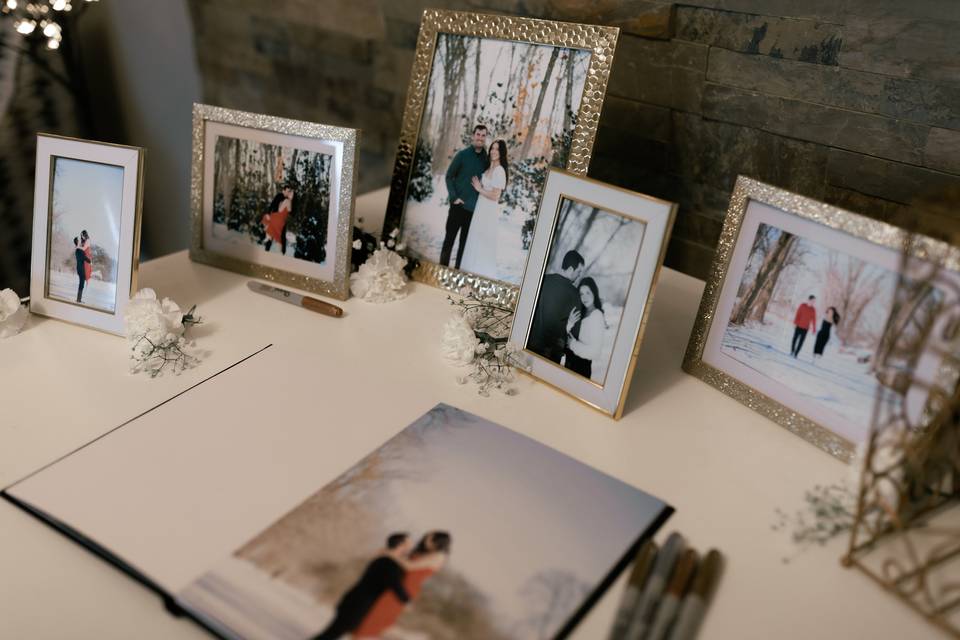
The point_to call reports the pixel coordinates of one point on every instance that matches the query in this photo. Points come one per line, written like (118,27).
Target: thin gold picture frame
(601,41)
(835,218)
(41,303)
(521,329)
(339,286)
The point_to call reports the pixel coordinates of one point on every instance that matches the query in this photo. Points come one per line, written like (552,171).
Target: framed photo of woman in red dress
(273,198)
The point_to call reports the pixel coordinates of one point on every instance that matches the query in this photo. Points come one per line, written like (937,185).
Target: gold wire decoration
(906,531)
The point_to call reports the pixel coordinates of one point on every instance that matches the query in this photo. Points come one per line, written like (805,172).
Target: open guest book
(255,526)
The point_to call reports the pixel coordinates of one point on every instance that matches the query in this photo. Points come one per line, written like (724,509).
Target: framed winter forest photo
(86,230)
(825,321)
(273,198)
(596,254)
(494,102)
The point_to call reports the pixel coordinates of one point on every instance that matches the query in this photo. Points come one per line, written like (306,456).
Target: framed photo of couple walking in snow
(86,230)
(820,320)
(596,253)
(494,102)
(273,198)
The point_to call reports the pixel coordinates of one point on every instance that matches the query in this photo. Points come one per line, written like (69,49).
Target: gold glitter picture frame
(273,198)
(593,267)
(787,265)
(538,85)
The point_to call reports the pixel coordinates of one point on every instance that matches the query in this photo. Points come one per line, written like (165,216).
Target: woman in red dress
(88,250)
(425,560)
(275,222)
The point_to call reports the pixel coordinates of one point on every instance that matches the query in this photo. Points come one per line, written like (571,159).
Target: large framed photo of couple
(493,103)
(86,230)
(596,253)
(825,321)
(273,198)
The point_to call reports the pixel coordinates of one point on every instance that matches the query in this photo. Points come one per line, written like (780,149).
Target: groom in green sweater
(469,162)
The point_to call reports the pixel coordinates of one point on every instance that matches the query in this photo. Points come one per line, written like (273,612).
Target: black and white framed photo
(86,230)
(596,253)
(273,198)
(494,102)
(819,319)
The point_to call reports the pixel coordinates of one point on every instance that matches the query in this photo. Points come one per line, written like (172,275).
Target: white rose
(12,314)
(9,303)
(458,341)
(380,278)
(151,322)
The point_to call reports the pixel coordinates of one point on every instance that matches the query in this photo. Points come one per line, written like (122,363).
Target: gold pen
(295,298)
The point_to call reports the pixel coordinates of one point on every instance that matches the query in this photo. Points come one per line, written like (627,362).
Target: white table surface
(724,468)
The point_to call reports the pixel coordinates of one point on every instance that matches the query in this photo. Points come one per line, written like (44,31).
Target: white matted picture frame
(596,254)
(273,198)
(823,320)
(529,91)
(86,230)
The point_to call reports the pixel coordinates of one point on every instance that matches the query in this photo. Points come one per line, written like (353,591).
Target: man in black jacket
(470,162)
(82,259)
(383,573)
(558,297)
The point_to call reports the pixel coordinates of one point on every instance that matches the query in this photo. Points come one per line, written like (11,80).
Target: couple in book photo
(475,181)
(391,581)
(568,323)
(83,252)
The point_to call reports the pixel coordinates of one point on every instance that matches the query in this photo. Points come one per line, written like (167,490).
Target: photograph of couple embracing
(581,298)
(393,579)
(455,528)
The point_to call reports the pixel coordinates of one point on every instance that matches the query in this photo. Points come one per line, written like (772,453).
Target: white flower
(458,341)
(9,303)
(12,313)
(380,278)
(151,322)
(358,244)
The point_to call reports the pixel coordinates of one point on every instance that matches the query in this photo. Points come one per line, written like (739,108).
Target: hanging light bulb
(51,30)
(59,5)
(11,4)
(53,43)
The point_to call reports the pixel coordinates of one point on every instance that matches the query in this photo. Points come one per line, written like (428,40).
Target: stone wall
(855,102)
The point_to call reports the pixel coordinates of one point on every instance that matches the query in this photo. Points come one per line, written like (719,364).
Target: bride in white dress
(480,254)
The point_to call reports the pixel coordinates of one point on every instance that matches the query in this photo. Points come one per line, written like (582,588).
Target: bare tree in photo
(853,285)
(779,255)
(550,596)
(535,118)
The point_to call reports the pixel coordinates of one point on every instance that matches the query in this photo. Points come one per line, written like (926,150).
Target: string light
(27,17)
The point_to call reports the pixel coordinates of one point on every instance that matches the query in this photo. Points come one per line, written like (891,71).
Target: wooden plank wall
(855,102)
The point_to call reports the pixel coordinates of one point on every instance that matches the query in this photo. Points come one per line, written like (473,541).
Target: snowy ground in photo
(424,226)
(96,293)
(247,603)
(836,381)
(221,232)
